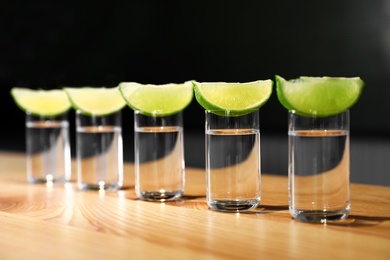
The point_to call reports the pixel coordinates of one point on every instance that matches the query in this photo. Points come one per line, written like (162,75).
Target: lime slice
(41,102)
(233,99)
(320,96)
(95,101)
(157,100)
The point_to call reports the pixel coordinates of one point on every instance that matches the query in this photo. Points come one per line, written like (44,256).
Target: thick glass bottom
(103,186)
(46,180)
(320,216)
(159,195)
(233,205)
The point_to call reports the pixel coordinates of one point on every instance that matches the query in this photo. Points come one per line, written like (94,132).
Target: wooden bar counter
(61,222)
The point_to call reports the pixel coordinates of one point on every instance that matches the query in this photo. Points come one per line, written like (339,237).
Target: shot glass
(99,151)
(319,167)
(159,157)
(47,149)
(233,169)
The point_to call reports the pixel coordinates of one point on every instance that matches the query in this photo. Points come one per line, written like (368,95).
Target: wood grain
(38,221)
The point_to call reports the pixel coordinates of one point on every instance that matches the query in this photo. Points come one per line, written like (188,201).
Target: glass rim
(140,113)
(29,114)
(80,112)
(294,112)
(226,113)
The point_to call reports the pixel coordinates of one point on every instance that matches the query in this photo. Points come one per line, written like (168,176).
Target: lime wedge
(95,101)
(320,96)
(41,102)
(157,100)
(233,99)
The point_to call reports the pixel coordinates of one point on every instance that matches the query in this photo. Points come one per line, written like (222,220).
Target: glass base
(46,181)
(233,205)
(106,186)
(319,216)
(159,195)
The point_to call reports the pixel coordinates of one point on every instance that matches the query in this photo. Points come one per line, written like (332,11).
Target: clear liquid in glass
(159,167)
(233,169)
(319,175)
(100,157)
(48,151)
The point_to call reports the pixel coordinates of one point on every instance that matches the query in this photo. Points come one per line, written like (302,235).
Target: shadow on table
(267,209)
(351,221)
(360,221)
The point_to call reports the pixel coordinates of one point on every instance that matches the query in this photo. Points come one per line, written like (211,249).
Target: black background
(101,43)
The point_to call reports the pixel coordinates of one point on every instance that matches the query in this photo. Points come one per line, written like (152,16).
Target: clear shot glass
(319,167)
(159,157)
(233,169)
(47,149)
(99,151)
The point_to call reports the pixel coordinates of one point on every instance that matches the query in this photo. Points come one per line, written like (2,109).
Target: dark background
(101,43)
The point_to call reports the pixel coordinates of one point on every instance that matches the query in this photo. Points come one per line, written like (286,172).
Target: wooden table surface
(39,221)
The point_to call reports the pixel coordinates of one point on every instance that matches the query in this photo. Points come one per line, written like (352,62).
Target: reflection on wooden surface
(38,221)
